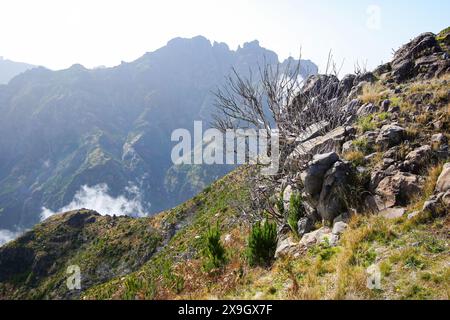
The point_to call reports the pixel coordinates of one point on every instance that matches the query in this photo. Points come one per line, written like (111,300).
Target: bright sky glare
(59,33)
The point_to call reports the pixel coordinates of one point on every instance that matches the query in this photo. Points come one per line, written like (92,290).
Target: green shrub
(363,145)
(384,116)
(214,251)
(280,204)
(262,243)
(296,211)
(367,123)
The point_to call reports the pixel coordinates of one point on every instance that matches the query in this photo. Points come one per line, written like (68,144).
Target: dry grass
(355,157)
(373,93)
(428,188)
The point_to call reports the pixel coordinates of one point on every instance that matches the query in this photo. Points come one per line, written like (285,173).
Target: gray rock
(433,204)
(390,135)
(396,190)
(330,142)
(352,107)
(402,70)
(385,105)
(367,109)
(365,77)
(331,201)
(416,159)
(311,238)
(438,141)
(446,199)
(394,109)
(286,247)
(305,225)
(393,213)
(344,217)
(339,228)
(443,182)
(312,177)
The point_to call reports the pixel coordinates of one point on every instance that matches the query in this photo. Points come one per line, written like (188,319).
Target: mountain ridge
(375,196)
(65,129)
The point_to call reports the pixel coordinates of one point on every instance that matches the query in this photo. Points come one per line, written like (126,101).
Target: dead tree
(279,98)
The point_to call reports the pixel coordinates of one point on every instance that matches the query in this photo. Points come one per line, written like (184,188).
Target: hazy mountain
(9,69)
(110,128)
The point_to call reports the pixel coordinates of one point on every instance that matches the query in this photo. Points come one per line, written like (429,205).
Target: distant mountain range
(9,69)
(111,127)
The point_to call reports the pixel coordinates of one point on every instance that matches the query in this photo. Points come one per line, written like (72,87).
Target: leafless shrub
(279,98)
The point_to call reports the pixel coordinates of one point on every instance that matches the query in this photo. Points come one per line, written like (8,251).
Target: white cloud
(97,198)
(8,235)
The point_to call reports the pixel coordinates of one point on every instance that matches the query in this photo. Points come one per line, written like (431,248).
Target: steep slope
(62,130)
(104,247)
(379,208)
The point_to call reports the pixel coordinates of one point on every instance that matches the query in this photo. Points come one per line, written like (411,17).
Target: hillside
(9,69)
(110,128)
(374,196)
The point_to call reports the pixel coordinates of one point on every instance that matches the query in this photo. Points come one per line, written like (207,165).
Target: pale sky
(59,33)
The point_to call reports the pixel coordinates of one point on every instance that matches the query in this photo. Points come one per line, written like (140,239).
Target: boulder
(339,228)
(390,136)
(446,199)
(367,109)
(422,57)
(330,142)
(344,217)
(312,177)
(365,77)
(433,204)
(402,70)
(385,105)
(346,84)
(352,107)
(305,225)
(418,158)
(443,182)
(393,213)
(438,141)
(396,190)
(286,247)
(310,239)
(331,201)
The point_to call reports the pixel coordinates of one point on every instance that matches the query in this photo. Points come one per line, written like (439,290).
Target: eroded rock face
(312,178)
(316,236)
(396,190)
(417,158)
(390,136)
(332,197)
(367,109)
(421,58)
(339,228)
(286,247)
(305,225)
(327,143)
(443,183)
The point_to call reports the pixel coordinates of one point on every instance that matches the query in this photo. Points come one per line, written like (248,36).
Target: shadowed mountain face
(62,130)
(9,69)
